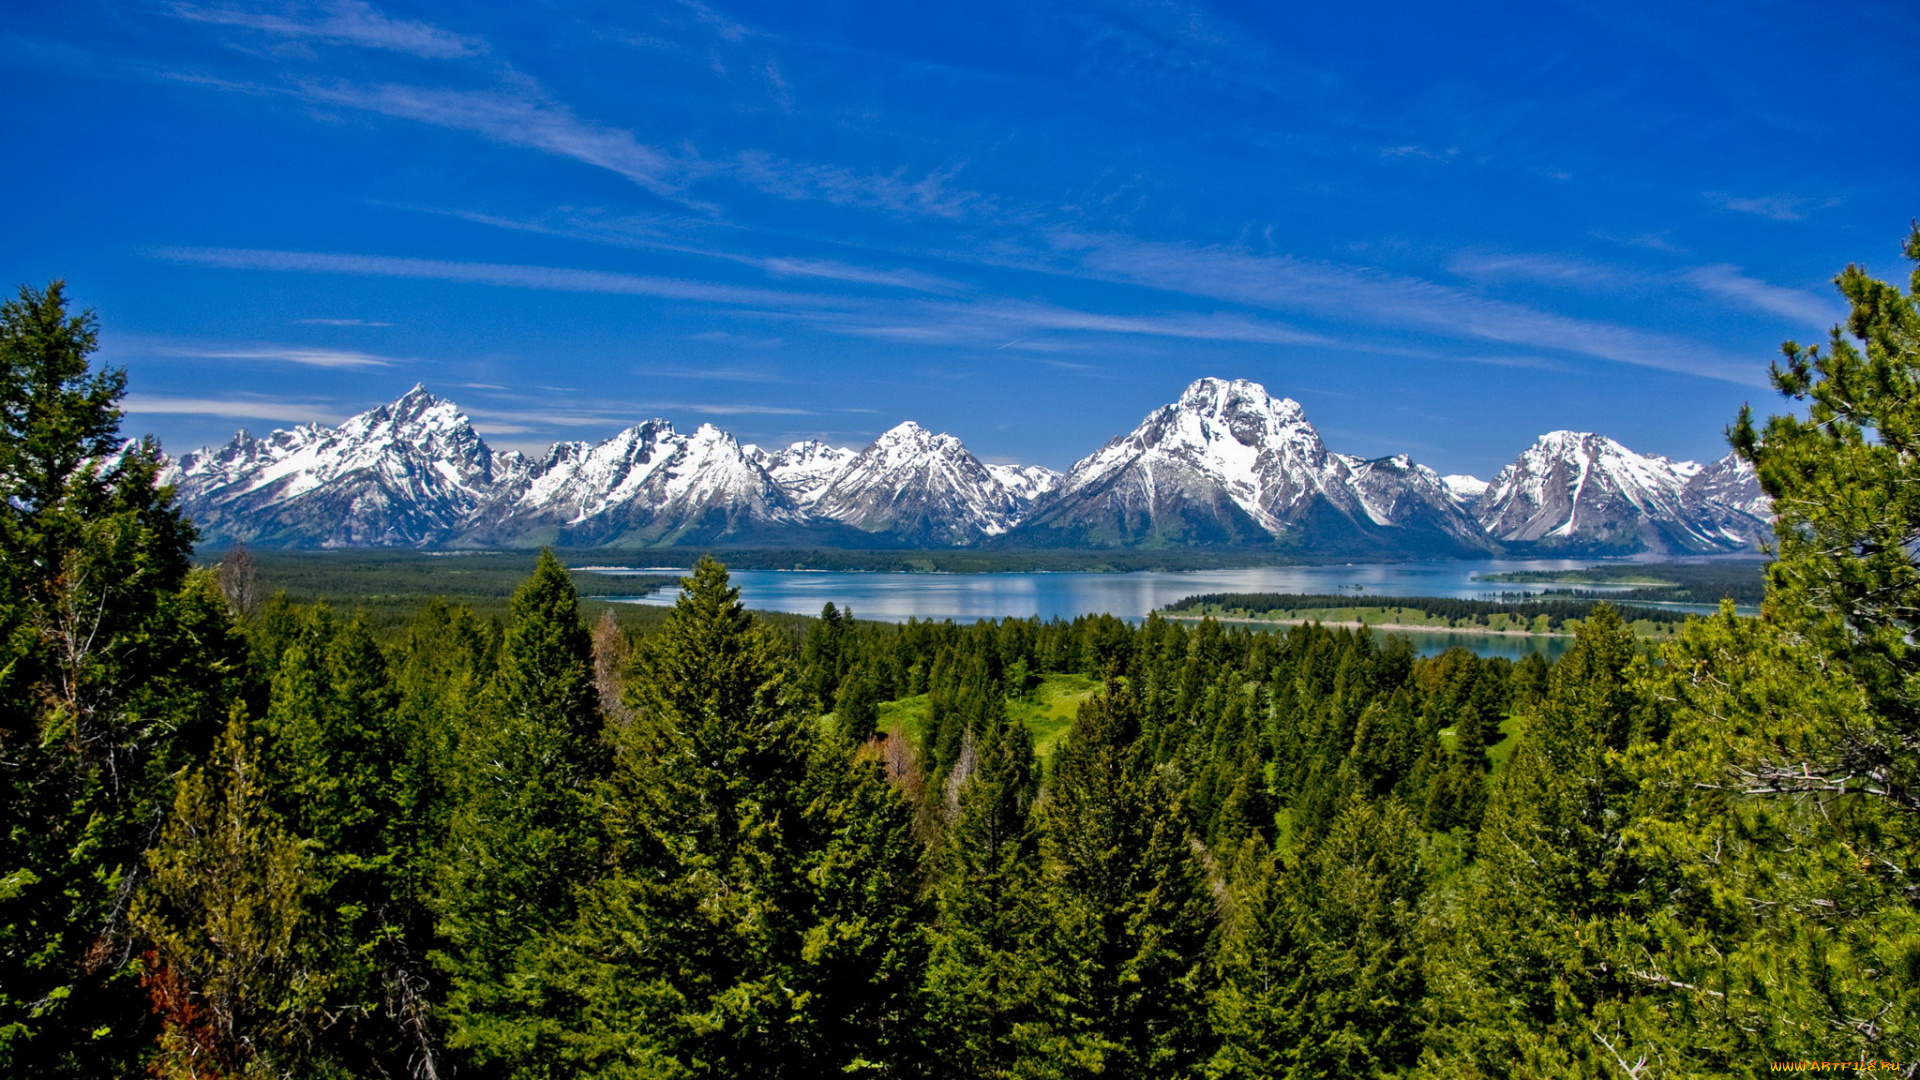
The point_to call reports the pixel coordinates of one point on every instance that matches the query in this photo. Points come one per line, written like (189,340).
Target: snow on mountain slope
(1229,464)
(404,474)
(1226,465)
(1729,499)
(1027,482)
(1464,488)
(648,484)
(1397,492)
(1574,489)
(919,487)
(805,468)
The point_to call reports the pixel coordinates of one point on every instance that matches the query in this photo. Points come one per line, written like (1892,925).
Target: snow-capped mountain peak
(1465,488)
(922,486)
(1225,464)
(1580,489)
(408,472)
(1229,463)
(804,468)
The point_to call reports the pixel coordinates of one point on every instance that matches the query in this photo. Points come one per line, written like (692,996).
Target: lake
(897,597)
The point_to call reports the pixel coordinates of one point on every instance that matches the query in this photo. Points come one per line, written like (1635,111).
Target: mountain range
(1227,466)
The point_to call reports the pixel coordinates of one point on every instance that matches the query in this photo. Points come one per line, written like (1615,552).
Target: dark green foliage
(1132,904)
(757,919)
(245,838)
(991,945)
(524,831)
(119,670)
(1321,972)
(1557,609)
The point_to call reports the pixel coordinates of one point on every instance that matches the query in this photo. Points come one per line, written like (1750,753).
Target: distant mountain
(409,474)
(1577,491)
(805,468)
(1464,489)
(648,485)
(1229,465)
(919,488)
(1226,466)
(1027,482)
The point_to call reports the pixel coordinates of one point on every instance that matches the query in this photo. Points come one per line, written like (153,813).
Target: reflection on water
(897,597)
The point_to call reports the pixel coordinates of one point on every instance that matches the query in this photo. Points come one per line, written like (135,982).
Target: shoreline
(1356,625)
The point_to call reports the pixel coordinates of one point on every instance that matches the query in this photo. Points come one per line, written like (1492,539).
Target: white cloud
(242,408)
(896,191)
(345,22)
(516,119)
(326,358)
(342,322)
(645,233)
(1363,295)
(506,275)
(1797,305)
(1777,207)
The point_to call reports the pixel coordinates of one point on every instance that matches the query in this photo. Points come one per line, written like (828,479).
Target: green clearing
(1048,710)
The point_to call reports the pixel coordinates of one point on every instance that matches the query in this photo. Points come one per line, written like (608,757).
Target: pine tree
(987,969)
(1525,969)
(119,669)
(759,920)
(524,835)
(1320,968)
(1131,902)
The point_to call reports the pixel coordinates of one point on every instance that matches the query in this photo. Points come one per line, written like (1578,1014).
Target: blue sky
(1444,229)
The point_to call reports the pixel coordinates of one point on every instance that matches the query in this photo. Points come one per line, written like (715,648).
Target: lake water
(897,597)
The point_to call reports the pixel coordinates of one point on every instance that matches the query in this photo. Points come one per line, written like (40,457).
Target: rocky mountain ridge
(1226,466)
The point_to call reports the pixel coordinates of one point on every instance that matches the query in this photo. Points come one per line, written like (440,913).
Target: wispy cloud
(506,275)
(655,234)
(1368,296)
(1722,281)
(343,22)
(291,354)
(1795,304)
(342,322)
(521,119)
(728,337)
(898,191)
(1777,207)
(1550,269)
(715,374)
(993,323)
(242,408)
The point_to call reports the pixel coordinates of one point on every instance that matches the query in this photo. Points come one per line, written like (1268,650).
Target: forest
(253,836)
(1551,613)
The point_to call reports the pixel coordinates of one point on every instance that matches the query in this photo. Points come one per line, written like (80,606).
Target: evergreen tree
(1320,969)
(1524,969)
(237,966)
(524,835)
(987,970)
(856,711)
(119,670)
(1847,578)
(759,918)
(1131,902)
